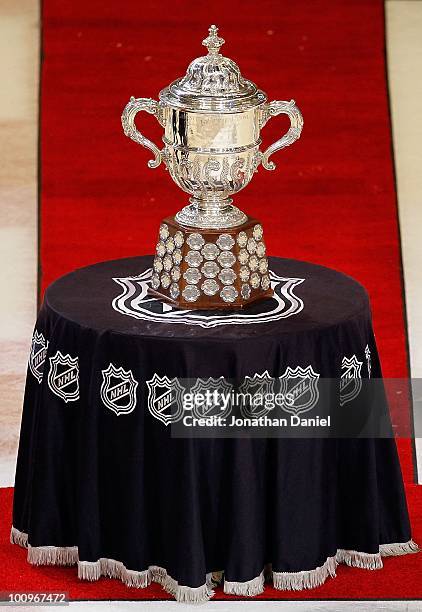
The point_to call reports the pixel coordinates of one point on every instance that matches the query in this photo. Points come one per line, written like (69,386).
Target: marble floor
(404,54)
(19,56)
(19,53)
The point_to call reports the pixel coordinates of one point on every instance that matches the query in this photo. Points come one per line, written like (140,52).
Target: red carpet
(331,201)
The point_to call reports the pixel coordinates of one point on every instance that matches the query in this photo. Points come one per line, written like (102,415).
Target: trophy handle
(128,123)
(296,120)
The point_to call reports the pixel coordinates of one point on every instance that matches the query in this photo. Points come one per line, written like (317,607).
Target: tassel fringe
(183,594)
(89,570)
(110,568)
(359,559)
(247,589)
(18,537)
(52,555)
(116,569)
(393,550)
(296,581)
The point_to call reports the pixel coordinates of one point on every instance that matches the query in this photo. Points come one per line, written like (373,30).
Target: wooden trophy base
(210,269)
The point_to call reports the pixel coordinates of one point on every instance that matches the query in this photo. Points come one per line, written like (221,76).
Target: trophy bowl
(212,119)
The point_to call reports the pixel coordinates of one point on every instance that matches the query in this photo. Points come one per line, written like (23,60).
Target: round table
(103,482)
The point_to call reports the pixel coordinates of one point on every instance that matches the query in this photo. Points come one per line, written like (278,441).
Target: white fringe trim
(18,537)
(310,579)
(393,550)
(92,571)
(359,559)
(183,594)
(296,581)
(110,568)
(52,555)
(250,588)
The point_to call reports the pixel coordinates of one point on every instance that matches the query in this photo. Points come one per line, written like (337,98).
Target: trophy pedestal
(208,268)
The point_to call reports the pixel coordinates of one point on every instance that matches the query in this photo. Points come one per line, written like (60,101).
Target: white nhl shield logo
(299,387)
(63,377)
(218,387)
(257,387)
(37,355)
(165,399)
(118,390)
(134,301)
(351,379)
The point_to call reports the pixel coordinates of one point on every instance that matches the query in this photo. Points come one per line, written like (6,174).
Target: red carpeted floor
(331,200)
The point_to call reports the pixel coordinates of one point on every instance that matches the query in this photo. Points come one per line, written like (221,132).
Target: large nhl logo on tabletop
(257,387)
(37,355)
(165,399)
(63,377)
(351,379)
(220,388)
(299,386)
(134,301)
(118,390)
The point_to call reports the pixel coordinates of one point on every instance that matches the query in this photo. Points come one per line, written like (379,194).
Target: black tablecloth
(102,481)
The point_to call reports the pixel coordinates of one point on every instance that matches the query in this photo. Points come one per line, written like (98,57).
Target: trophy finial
(213,42)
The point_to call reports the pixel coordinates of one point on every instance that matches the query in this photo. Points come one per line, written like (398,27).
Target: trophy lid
(213,83)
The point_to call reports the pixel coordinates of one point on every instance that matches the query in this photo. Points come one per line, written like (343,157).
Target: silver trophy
(212,118)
